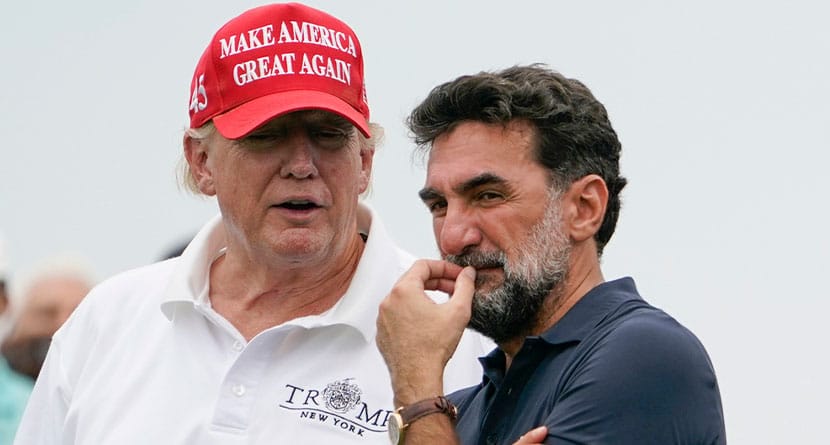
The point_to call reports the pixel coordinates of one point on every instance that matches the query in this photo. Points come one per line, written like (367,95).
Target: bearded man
(523,184)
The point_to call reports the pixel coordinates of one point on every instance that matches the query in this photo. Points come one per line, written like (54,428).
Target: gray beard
(513,308)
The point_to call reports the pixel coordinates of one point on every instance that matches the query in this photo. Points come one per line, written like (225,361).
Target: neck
(579,281)
(256,295)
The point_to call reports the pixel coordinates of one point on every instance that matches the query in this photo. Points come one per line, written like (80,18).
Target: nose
(299,161)
(457,231)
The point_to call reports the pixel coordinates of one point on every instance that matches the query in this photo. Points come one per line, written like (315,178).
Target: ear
(367,154)
(586,201)
(196,154)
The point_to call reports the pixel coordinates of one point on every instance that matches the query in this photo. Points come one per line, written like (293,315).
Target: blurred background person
(31,313)
(47,296)
(14,387)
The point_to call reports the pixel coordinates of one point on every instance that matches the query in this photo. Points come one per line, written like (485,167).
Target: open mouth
(298,204)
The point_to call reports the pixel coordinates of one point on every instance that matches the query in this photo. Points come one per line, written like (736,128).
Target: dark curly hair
(574,135)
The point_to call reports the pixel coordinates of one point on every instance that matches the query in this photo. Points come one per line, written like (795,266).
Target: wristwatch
(400,420)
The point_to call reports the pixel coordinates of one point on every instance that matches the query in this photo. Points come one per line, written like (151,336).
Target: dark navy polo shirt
(614,370)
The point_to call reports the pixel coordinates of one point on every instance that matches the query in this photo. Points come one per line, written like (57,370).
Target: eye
(437,207)
(262,140)
(489,196)
(331,136)
(330,133)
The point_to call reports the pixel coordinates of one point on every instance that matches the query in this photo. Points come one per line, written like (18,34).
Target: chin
(301,245)
(489,279)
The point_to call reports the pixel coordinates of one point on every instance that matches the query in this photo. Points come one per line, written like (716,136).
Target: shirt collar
(577,323)
(377,270)
(590,310)
(188,285)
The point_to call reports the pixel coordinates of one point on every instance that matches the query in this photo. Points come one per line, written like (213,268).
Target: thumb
(464,287)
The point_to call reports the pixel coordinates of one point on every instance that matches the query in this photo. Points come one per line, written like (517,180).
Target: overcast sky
(723,109)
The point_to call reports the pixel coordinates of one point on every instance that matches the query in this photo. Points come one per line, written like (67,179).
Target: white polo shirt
(146,360)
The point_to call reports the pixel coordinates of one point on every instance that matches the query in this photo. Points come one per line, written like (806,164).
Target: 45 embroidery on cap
(199,100)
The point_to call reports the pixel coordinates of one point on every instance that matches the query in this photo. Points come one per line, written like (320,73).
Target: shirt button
(491,439)
(238,390)
(238,346)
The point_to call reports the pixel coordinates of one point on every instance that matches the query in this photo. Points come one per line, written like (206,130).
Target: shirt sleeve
(649,381)
(43,420)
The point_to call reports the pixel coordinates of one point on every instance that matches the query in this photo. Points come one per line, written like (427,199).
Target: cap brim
(239,121)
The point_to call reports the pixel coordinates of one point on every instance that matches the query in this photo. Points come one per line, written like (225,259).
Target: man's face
(292,186)
(493,208)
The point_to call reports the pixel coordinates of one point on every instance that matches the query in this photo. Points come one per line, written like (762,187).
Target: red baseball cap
(276,59)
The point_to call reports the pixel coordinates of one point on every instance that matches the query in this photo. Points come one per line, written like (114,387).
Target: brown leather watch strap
(415,411)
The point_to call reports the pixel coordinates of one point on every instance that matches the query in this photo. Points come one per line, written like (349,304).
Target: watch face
(394,428)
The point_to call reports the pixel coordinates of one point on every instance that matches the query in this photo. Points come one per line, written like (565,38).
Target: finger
(440,284)
(424,270)
(534,436)
(426,275)
(464,287)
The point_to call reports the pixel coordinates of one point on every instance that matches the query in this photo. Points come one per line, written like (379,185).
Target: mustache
(478,260)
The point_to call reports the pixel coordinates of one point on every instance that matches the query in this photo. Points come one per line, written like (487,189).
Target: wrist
(410,391)
(417,382)
(404,416)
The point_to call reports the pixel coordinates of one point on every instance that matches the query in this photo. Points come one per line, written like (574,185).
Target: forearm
(416,338)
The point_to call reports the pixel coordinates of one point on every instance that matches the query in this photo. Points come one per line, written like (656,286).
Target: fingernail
(469,271)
